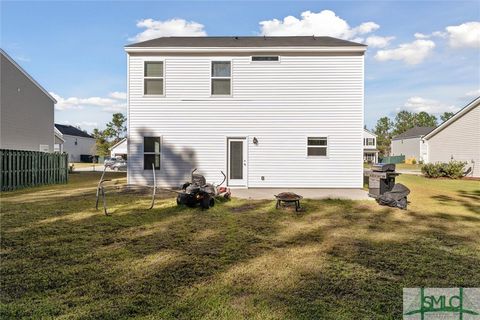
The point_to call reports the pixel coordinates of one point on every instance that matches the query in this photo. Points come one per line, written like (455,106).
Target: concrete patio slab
(307,193)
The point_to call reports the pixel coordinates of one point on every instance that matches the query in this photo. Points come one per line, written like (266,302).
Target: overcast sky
(422,56)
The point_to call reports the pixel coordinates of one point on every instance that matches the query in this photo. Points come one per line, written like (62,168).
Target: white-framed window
(317,146)
(370,142)
(151,152)
(221,78)
(265,58)
(153,78)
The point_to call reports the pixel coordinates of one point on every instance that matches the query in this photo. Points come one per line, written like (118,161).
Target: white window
(153,79)
(151,152)
(221,78)
(370,142)
(317,146)
(266,58)
(44,148)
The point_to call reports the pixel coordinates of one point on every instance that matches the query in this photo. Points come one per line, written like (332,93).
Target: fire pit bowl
(288,197)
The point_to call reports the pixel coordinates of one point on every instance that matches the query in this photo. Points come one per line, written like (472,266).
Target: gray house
(458,138)
(26,110)
(79,145)
(410,144)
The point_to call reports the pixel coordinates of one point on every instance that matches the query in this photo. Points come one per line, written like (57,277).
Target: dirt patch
(248,207)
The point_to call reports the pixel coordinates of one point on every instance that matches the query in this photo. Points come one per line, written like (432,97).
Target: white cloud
(118,95)
(87,124)
(464,35)
(378,42)
(473,93)
(107,104)
(419,104)
(324,23)
(168,28)
(411,53)
(419,35)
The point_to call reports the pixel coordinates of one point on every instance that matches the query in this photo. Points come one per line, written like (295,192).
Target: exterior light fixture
(255,140)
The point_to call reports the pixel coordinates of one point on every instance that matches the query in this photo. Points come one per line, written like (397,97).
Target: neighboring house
(26,110)
(268,111)
(79,145)
(458,138)
(59,141)
(119,149)
(370,152)
(410,144)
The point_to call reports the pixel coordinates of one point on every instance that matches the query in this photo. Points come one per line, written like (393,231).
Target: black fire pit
(287,198)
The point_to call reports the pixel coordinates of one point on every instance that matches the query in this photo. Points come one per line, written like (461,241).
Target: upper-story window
(317,146)
(221,78)
(153,78)
(369,141)
(265,58)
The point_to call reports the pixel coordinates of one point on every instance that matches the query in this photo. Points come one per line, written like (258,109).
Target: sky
(422,55)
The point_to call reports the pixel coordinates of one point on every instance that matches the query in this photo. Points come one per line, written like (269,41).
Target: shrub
(431,170)
(453,169)
(414,161)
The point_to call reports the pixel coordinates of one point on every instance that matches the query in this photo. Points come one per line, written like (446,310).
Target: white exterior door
(237,162)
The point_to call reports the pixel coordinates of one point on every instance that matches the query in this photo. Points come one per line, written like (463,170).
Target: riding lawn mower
(198,191)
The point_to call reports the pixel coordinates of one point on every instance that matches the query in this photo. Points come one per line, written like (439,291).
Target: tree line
(387,128)
(115,131)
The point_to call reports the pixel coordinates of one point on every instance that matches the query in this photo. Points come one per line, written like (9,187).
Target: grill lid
(383,167)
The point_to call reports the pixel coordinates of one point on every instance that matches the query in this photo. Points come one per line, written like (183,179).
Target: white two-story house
(370,152)
(268,111)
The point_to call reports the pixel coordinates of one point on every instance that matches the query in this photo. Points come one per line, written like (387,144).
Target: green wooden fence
(393,159)
(21,169)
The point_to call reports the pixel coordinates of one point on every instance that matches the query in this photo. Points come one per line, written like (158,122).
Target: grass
(240,260)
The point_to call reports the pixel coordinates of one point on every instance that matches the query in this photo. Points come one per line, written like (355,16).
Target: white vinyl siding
(278,103)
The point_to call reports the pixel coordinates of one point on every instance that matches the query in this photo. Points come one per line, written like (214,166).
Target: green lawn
(240,260)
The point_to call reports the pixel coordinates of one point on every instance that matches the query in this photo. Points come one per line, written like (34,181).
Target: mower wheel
(181,199)
(205,203)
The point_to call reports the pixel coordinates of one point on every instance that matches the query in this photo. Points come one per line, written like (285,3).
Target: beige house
(410,144)
(458,138)
(26,110)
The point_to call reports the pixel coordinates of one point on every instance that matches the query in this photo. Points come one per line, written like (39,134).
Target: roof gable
(456,116)
(16,65)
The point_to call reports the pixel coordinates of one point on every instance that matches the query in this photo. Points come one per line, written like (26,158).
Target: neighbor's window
(265,58)
(153,77)
(151,152)
(221,78)
(317,146)
(370,141)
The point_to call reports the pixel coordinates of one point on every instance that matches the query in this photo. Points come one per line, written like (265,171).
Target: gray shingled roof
(259,41)
(414,132)
(71,131)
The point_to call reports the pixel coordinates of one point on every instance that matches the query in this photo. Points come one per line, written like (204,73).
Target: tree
(423,119)
(116,128)
(446,115)
(383,130)
(404,120)
(101,142)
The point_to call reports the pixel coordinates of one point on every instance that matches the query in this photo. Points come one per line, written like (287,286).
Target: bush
(453,169)
(414,161)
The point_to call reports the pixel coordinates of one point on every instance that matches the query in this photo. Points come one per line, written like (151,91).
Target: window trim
(154,153)
(317,136)
(264,61)
(145,77)
(220,78)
